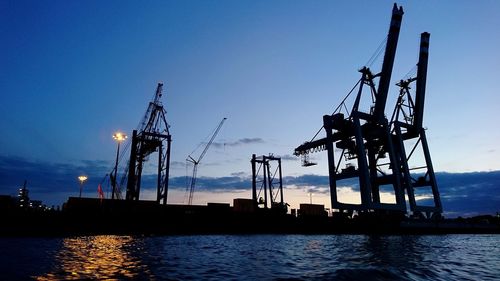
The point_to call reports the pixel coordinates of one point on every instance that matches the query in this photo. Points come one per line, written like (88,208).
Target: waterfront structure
(152,136)
(362,144)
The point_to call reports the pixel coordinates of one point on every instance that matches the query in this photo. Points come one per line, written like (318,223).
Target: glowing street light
(82,179)
(119,137)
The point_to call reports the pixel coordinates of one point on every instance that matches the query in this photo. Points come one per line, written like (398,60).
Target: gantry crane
(196,162)
(271,182)
(364,138)
(371,147)
(152,136)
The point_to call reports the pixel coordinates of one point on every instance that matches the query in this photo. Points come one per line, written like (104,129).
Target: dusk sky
(74,72)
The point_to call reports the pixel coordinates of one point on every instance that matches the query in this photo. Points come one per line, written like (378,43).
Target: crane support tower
(369,146)
(153,136)
(195,162)
(270,181)
(407,126)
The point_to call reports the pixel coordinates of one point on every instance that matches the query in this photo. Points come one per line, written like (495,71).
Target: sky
(74,72)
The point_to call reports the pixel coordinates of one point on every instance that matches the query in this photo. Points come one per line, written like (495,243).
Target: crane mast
(197,161)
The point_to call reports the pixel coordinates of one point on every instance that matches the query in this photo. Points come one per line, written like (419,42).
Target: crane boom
(211,140)
(197,161)
(421,79)
(387,65)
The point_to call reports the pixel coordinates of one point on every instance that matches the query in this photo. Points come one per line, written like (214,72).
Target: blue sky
(74,72)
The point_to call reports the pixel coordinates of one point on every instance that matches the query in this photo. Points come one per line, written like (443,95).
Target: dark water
(253,257)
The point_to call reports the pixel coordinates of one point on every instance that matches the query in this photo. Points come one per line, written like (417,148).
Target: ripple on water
(252,257)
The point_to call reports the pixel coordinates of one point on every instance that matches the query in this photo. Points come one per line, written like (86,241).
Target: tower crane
(197,161)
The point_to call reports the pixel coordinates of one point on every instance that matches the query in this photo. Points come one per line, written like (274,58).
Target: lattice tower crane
(197,161)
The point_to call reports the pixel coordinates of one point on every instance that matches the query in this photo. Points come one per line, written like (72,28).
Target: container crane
(197,161)
(372,148)
(270,182)
(363,137)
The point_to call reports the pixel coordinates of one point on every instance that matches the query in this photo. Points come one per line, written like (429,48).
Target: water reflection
(255,257)
(98,257)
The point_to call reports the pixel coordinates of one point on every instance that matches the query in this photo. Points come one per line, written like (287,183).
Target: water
(253,257)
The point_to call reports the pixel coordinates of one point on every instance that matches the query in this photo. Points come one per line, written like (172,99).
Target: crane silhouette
(196,162)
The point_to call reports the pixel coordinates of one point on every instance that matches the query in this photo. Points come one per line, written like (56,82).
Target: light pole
(82,179)
(119,137)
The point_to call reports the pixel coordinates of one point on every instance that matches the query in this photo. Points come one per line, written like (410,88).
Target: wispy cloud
(178,164)
(307,180)
(288,157)
(211,183)
(240,142)
(239,174)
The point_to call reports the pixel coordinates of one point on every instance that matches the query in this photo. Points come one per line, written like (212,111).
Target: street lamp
(82,179)
(119,137)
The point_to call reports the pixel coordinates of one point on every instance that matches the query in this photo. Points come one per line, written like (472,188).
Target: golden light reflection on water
(97,257)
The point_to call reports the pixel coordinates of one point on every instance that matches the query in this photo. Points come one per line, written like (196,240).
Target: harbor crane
(271,183)
(363,137)
(152,136)
(196,162)
(372,148)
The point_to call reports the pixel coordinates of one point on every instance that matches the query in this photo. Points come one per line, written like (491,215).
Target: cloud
(46,178)
(13,170)
(288,157)
(307,180)
(177,164)
(214,183)
(462,194)
(320,190)
(469,194)
(240,142)
(239,174)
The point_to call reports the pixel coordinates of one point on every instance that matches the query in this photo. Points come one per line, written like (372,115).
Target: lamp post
(119,137)
(82,179)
